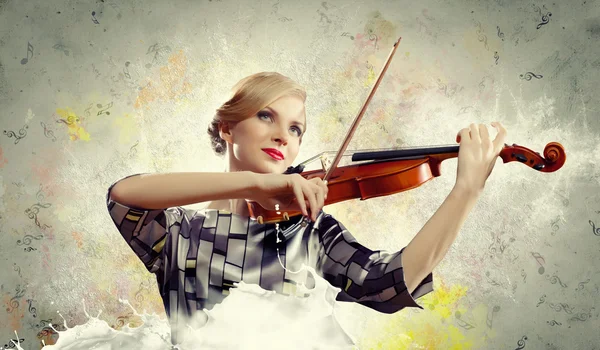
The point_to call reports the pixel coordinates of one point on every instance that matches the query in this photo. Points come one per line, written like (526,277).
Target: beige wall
(133,90)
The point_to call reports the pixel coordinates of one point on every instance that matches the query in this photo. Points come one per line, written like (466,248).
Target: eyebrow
(276,114)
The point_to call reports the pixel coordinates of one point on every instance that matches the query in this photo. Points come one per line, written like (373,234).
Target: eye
(268,115)
(299,130)
(263,114)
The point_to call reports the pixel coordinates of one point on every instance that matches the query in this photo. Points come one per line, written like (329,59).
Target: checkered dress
(197,255)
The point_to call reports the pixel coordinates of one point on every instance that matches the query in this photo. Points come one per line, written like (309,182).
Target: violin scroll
(554,156)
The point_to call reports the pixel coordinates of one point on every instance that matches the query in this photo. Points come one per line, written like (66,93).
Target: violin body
(362,181)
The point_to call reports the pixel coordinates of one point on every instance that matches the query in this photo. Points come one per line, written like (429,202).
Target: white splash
(248,318)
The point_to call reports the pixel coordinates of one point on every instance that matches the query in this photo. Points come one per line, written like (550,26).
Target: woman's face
(278,126)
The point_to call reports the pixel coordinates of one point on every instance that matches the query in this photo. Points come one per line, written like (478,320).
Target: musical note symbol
(527,76)
(47,132)
(490,318)
(581,284)
(70,120)
(104,110)
(32,309)
(18,269)
(348,35)
(482,37)
(464,324)
(595,231)
(373,36)
(523,274)
(545,20)
(555,226)
(492,282)
(126,70)
(542,300)
(29,49)
(433,304)
(521,343)
(538,257)
(133,149)
(496,56)
(500,34)
(14,342)
(62,48)
(87,110)
(22,134)
(94,18)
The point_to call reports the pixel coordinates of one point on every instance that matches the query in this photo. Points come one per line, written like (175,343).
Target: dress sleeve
(145,230)
(372,278)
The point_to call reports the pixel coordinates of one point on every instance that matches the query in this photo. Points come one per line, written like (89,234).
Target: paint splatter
(3,160)
(72,121)
(443,324)
(128,128)
(173,83)
(77,236)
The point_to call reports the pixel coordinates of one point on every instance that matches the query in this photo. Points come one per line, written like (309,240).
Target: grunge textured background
(90,93)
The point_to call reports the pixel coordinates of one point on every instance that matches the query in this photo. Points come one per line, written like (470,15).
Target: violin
(378,172)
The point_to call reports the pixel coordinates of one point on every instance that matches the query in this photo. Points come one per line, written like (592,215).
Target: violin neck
(406,153)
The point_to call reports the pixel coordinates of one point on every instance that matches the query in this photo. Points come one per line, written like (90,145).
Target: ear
(225,131)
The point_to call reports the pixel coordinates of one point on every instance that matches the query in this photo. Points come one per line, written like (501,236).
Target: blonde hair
(249,96)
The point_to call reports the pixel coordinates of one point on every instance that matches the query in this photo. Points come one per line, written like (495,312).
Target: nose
(281,136)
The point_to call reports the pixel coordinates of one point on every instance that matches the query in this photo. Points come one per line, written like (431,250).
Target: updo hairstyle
(249,96)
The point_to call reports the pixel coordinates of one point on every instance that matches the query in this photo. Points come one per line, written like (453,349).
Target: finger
(484,135)
(321,184)
(499,140)
(474,129)
(325,188)
(300,198)
(321,202)
(463,135)
(309,193)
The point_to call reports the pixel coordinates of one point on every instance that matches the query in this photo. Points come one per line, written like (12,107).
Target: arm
(131,202)
(431,244)
(184,188)
(374,279)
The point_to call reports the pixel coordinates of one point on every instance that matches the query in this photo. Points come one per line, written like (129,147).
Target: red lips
(273,153)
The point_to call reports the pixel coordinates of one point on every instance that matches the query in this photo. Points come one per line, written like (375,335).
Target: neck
(236,206)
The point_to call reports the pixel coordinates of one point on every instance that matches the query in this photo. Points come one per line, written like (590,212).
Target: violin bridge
(325,163)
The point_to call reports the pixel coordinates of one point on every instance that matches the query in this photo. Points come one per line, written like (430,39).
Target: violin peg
(286,216)
(260,219)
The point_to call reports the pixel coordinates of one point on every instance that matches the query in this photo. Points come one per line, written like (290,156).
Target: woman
(197,255)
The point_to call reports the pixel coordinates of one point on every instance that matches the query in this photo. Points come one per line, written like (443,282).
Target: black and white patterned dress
(197,255)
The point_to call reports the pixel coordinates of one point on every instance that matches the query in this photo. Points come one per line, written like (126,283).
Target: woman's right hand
(292,192)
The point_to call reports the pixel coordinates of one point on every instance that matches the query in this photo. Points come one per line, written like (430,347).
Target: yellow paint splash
(172,85)
(370,77)
(443,324)
(127,128)
(72,121)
